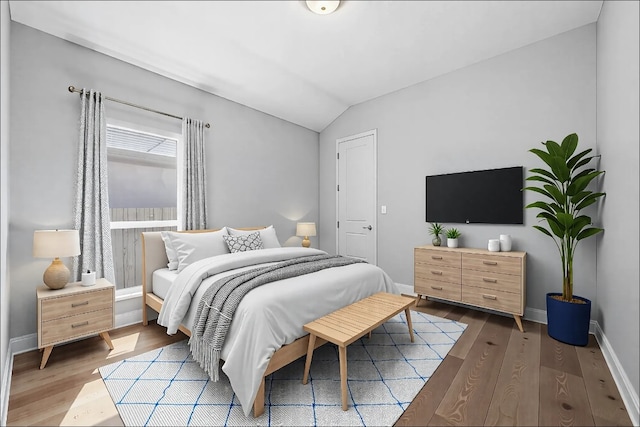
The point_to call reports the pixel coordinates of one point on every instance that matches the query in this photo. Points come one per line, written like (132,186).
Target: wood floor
(494,375)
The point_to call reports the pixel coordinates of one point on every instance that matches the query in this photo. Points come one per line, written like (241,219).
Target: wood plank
(516,396)
(475,321)
(426,402)
(606,402)
(557,355)
(565,395)
(468,398)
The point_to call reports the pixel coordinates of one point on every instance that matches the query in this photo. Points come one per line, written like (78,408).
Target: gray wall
(260,170)
(5,25)
(618,141)
(484,116)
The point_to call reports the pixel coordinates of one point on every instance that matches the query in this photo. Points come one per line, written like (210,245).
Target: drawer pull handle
(435,257)
(484,279)
(77,325)
(489,262)
(485,296)
(438,273)
(78,304)
(437,288)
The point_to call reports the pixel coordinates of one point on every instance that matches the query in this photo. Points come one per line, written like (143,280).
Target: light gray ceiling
(280,58)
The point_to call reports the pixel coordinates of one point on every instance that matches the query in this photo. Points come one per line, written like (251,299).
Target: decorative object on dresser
(453,234)
(505,242)
(564,183)
(89,278)
(475,277)
(55,244)
(436,230)
(306,229)
(494,245)
(74,312)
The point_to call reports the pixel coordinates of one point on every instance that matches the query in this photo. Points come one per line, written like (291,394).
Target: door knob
(368,228)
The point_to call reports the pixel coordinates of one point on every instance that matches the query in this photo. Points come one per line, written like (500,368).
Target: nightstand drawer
(493,263)
(437,257)
(69,305)
(437,272)
(66,328)
(489,280)
(490,298)
(433,288)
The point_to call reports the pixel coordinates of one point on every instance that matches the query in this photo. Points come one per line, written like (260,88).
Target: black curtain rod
(73,89)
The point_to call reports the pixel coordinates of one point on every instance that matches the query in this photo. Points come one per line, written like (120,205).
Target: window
(143,194)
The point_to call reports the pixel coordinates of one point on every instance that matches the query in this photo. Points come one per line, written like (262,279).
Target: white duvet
(271,315)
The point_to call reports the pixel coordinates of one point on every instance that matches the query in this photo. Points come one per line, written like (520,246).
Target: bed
(266,331)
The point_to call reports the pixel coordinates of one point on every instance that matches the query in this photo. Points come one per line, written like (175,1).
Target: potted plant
(436,230)
(452,237)
(563,183)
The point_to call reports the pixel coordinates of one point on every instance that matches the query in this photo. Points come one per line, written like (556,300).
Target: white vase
(505,242)
(494,245)
(452,243)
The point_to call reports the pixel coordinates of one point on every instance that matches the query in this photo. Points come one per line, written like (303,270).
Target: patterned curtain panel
(194,198)
(92,196)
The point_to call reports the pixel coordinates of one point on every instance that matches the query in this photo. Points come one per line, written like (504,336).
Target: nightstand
(74,312)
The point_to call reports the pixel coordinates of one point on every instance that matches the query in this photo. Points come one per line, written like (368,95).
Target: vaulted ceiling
(280,58)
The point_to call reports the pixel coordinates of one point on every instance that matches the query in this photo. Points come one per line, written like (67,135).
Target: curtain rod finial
(71,88)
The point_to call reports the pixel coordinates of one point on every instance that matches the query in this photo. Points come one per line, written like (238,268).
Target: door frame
(374,133)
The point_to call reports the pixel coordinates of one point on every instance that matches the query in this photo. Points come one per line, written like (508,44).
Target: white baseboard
(128,318)
(629,395)
(6,387)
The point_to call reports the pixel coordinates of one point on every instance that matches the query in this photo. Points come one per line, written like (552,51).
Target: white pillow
(192,247)
(267,235)
(172,256)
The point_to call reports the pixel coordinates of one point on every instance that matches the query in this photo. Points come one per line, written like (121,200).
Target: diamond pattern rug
(167,387)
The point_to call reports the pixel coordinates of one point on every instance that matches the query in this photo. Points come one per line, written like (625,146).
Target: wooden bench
(346,325)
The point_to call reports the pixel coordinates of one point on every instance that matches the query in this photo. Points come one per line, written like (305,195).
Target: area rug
(167,387)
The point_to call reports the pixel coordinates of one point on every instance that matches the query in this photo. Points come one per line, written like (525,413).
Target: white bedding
(271,315)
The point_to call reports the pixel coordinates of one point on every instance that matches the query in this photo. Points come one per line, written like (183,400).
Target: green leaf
(589,200)
(554,224)
(546,157)
(569,145)
(556,193)
(578,197)
(543,172)
(539,190)
(582,162)
(544,230)
(574,160)
(581,183)
(540,178)
(566,220)
(579,223)
(560,169)
(540,205)
(589,232)
(554,149)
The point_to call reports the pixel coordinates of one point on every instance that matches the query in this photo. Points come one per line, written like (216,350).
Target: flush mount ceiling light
(323,7)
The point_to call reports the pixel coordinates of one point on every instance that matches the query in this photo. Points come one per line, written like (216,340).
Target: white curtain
(91,213)
(194,200)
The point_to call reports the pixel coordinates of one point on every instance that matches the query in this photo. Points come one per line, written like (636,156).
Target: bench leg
(407,312)
(343,376)
(307,363)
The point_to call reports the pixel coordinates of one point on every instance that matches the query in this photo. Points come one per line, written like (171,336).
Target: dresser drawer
(494,299)
(490,280)
(69,305)
(437,257)
(492,263)
(437,272)
(436,289)
(66,328)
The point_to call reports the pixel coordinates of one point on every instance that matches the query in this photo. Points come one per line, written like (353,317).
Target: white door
(356,196)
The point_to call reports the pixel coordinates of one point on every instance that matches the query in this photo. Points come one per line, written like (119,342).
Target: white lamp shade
(323,7)
(305,229)
(56,243)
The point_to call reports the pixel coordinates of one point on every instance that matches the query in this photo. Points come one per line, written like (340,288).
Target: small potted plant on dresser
(452,237)
(436,230)
(564,185)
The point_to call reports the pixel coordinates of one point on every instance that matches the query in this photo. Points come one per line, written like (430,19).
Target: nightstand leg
(45,356)
(105,336)
(518,322)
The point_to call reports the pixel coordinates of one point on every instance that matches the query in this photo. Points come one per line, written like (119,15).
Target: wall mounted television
(492,196)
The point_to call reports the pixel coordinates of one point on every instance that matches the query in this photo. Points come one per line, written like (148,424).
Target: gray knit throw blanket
(220,301)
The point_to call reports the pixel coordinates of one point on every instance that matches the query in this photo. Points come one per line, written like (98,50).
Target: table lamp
(55,244)
(306,229)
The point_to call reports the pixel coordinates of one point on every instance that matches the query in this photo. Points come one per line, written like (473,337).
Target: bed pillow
(172,256)
(192,247)
(267,235)
(247,242)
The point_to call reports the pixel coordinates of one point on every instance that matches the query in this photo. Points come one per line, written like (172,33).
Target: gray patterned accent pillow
(248,242)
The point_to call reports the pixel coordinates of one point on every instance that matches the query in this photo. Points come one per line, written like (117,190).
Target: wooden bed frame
(154,257)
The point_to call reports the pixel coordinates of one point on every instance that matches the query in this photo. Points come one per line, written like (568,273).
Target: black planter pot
(568,322)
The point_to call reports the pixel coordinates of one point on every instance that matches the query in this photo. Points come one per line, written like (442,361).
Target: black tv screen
(492,196)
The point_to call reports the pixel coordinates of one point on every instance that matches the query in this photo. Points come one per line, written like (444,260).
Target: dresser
(475,277)
(74,312)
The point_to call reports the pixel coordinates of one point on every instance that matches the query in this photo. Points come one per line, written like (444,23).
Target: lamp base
(57,275)
(306,242)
